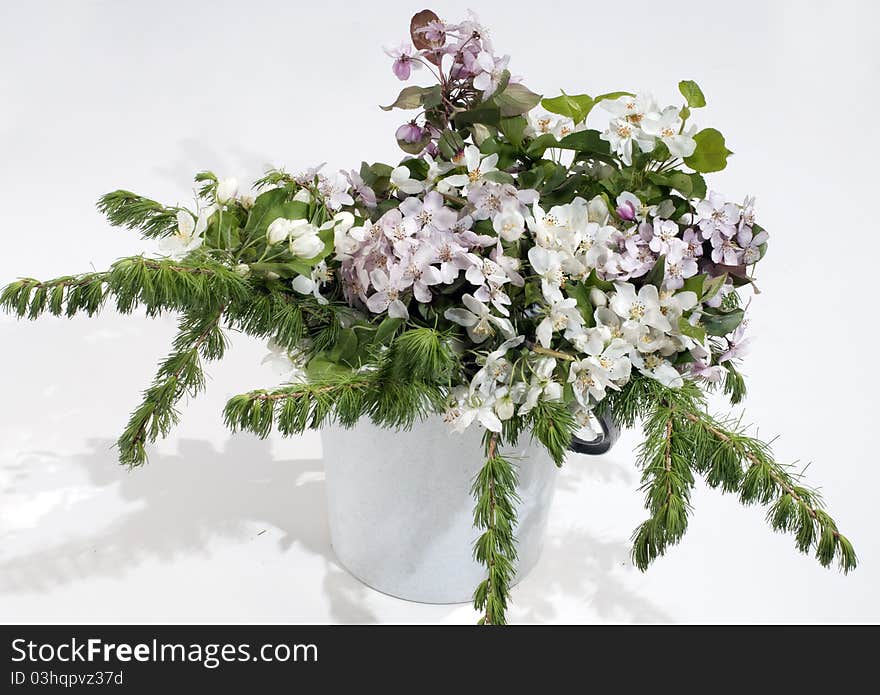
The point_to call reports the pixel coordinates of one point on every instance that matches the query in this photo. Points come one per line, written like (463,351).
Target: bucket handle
(602,443)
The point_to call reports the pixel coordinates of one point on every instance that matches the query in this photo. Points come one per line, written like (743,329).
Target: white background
(102,95)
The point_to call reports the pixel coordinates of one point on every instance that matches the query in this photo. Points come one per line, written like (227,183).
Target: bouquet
(518,271)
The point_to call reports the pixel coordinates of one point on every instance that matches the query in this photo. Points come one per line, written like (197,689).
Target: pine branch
(197,285)
(494,491)
(345,398)
(127,209)
(795,508)
(667,482)
(199,337)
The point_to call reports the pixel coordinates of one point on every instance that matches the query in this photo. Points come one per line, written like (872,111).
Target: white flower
(247,200)
(715,214)
(597,210)
(632,109)
(387,295)
(504,405)
(621,135)
(509,224)
(284,363)
(496,368)
(543,123)
(304,240)
(311,284)
(656,367)
(626,127)
(478,320)
(188,236)
(477,168)
(548,266)
(280,229)
(642,309)
(226,190)
(471,406)
(493,68)
(551,229)
(666,126)
(541,387)
(242,270)
(401,180)
(335,191)
(591,376)
(562,316)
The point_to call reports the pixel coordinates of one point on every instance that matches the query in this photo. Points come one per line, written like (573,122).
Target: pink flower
(410,132)
(405,60)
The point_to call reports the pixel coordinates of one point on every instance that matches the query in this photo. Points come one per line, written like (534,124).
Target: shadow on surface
(180,502)
(175,505)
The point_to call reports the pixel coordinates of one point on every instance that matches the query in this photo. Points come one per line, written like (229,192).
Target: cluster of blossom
(467,224)
(423,243)
(460,55)
(638,120)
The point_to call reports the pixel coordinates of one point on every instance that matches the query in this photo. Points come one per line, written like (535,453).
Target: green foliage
(576,107)
(180,373)
(494,492)
(553,425)
(692,93)
(682,439)
(711,153)
(126,209)
(158,285)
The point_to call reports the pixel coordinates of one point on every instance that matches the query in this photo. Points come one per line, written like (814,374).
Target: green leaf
(692,93)
(387,330)
(346,347)
(594,280)
(450,143)
(498,177)
(576,106)
(711,153)
(262,205)
(678,180)
(719,322)
(695,284)
(409,98)
(540,144)
(320,368)
(290,210)
(712,286)
(698,333)
(485,113)
(698,184)
(613,95)
(513,128)
(432,97)
(657,273)
(516,99)
(581,293)
(585,141)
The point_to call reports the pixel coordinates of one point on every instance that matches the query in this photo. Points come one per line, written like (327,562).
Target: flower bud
(278,231)
(410,133)
(226,190)
(242,270)
(247,201)
(344,221)
(306,246)
(598,298)
(504,408)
